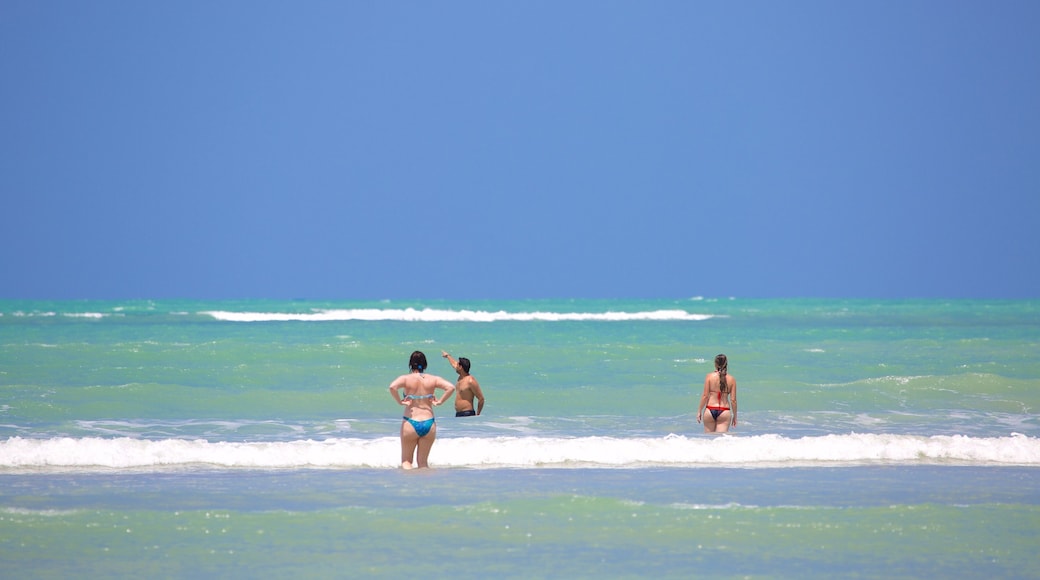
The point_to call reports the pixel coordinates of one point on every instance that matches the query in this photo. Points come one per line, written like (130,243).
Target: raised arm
(454,364)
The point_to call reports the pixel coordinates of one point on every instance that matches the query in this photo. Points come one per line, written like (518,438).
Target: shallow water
(819,522)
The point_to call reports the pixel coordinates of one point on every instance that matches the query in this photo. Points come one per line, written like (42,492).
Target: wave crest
(771,451)
(442,315)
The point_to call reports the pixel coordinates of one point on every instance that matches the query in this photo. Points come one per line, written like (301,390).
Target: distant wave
(51,314)
(441,315)
(88,454)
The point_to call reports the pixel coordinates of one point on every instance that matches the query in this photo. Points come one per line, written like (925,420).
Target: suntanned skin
(418,384)
(466,389)
(714,397)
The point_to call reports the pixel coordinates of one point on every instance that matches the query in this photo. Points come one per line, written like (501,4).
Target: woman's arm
(449,389)
(733,402)
(394,390)
(704,399)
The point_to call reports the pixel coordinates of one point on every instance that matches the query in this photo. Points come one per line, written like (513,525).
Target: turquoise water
(257,439)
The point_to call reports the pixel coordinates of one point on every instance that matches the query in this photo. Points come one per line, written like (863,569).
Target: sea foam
(442,315)
(772,451)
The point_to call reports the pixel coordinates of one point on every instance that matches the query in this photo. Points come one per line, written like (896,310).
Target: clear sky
(505,149)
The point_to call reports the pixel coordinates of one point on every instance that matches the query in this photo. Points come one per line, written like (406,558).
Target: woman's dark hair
(417,362)
(722,365)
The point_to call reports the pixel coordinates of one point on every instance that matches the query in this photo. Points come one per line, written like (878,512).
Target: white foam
(441,315)
(523,452)
(124,453)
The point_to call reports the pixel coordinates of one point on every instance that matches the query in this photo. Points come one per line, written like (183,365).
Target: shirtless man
(466,389)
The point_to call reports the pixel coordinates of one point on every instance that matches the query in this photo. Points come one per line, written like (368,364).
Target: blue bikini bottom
(421,427)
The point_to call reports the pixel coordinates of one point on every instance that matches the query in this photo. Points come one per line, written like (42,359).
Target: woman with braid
(719,398)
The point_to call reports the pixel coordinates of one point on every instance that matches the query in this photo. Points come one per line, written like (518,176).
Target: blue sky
(371,150)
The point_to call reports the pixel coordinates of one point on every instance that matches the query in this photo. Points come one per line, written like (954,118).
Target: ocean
(257,439)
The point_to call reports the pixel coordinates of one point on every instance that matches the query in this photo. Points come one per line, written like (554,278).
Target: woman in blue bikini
(418,429)
(719,398)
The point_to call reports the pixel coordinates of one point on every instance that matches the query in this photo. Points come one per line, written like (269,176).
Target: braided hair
(722,365)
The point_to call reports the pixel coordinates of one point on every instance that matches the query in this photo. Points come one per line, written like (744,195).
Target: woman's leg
(722,423)
(409,440)
(709,421)
(425,444)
